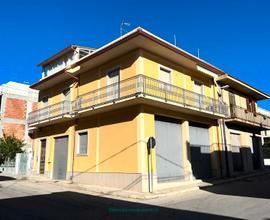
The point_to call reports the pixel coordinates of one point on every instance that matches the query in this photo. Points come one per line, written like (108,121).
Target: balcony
(241,115)
(50,113)
(145,87)
(138,88)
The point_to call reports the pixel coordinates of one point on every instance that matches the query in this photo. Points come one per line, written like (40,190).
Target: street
(244,199)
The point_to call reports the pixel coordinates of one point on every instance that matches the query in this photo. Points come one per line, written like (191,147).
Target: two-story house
(96,117)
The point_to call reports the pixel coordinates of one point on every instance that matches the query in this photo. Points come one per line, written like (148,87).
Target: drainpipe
(224,135)
(223,127)
(76,85)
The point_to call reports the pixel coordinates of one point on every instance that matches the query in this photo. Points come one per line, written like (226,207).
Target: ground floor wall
(244,149)
(189,147)
(112,155)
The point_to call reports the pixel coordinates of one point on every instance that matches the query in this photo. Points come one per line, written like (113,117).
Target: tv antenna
(174,38)
(122,27)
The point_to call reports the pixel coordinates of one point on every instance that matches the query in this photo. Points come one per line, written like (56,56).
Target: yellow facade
(117,136)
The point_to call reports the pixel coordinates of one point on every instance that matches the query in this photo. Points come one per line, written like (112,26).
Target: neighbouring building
(266,140)
(97,113)
(17,100)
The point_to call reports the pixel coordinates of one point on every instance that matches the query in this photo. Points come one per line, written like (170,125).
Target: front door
(42,156)
(169,160)
(60,158)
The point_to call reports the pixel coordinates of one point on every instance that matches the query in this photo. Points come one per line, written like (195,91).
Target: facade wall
(117,140)
(246,146)
(112,146)
(180,76)
(240,99)
(117,147)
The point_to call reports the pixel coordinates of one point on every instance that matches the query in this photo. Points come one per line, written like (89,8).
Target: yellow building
(99,110)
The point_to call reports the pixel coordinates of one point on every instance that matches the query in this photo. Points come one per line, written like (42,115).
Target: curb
(106,191)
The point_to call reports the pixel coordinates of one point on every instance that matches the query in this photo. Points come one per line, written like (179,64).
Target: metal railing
(257,118)
(146,86)
(135,86)
(49,112)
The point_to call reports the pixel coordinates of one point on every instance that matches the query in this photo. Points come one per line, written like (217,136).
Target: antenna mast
(122,25)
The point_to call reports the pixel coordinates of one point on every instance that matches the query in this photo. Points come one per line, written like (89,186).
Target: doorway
(42,156)
(169,160)
(60,158)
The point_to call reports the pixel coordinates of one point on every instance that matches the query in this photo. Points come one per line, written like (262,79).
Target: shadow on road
(6,178)
(72,205)
(256,187)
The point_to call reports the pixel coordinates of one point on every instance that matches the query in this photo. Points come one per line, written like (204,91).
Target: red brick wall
(18,130)
(15,108)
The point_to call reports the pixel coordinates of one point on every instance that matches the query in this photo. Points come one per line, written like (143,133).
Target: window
(198,87)
(198,98)
(165,78)
(44,101)
(113,82)
(82,143)
(66,94)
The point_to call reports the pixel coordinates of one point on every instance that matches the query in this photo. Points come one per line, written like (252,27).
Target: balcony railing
(49,112)
(146,86)
(243,114)
(136,86)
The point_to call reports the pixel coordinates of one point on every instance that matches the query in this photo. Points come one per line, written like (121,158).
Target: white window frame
(63,96)
(108,79)
(78,142)
(110,70)
(43,103)
(170,71)
(201,83)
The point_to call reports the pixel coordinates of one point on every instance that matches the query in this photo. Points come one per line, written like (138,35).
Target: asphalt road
(244,199)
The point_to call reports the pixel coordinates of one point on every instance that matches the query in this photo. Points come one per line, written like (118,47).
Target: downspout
(223,130)
(75,85)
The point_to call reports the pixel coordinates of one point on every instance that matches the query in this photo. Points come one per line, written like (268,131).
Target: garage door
(200,151)
(236,152)
(168,149)
(256,152)
(60,158)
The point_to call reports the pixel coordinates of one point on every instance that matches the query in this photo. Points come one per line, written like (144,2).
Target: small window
(82,143)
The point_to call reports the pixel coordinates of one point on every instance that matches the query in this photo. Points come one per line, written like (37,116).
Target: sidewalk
(184,187)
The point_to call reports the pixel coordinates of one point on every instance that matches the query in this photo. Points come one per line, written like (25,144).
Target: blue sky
(233,34)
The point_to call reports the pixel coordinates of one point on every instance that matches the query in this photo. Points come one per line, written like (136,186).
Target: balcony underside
(248,124)
(150,101)
(49,121)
